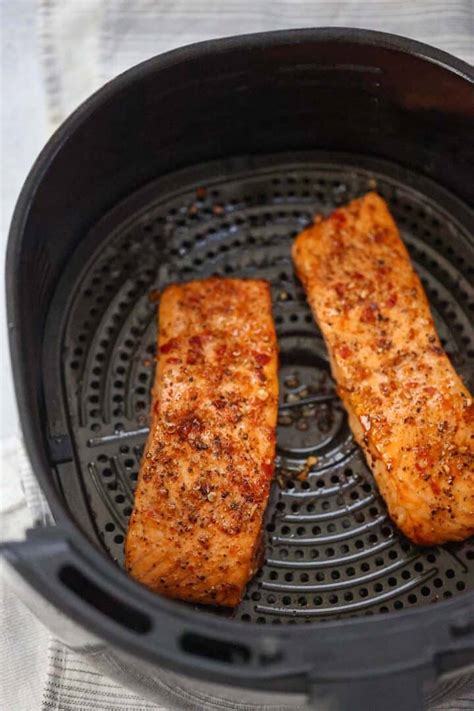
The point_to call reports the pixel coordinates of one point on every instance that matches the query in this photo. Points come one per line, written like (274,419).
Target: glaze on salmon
(195,531)
(408,409)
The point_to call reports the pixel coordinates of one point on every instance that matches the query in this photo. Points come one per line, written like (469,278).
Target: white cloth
(55,53)
(88,42)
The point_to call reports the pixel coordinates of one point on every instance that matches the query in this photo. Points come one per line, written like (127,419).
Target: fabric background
(54,54)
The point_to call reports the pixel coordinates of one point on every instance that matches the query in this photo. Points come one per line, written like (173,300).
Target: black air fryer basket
(209,160)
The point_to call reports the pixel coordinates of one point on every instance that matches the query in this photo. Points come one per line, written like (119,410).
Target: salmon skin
(408,409)
(195,532)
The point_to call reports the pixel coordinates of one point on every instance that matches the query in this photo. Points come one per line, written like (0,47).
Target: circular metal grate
(331,549)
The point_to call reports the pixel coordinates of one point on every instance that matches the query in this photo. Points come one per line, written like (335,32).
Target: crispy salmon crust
(204,482)
(408,409)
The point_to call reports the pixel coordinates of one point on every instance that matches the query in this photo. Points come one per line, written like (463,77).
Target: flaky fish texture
(408,409)
(196,528)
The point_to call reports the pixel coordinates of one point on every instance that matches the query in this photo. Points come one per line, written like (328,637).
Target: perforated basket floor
(331,549)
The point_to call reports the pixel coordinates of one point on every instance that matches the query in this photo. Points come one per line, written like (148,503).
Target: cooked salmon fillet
(408,409)
(196,528)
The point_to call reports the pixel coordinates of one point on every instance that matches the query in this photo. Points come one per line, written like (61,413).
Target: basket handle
(47,555)
(390,692)
(392,687)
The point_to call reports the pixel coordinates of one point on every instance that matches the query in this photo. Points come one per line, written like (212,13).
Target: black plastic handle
(46,562)
(404,689)
(391,689)
(391,692)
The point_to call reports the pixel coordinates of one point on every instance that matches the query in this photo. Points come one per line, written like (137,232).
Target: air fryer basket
(331,549)
(105,233)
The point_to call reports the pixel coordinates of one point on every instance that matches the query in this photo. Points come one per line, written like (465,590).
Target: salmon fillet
(195,532)
(408,409)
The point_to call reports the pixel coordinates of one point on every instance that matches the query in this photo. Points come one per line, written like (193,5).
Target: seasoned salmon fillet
(408,409)
(195,532)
